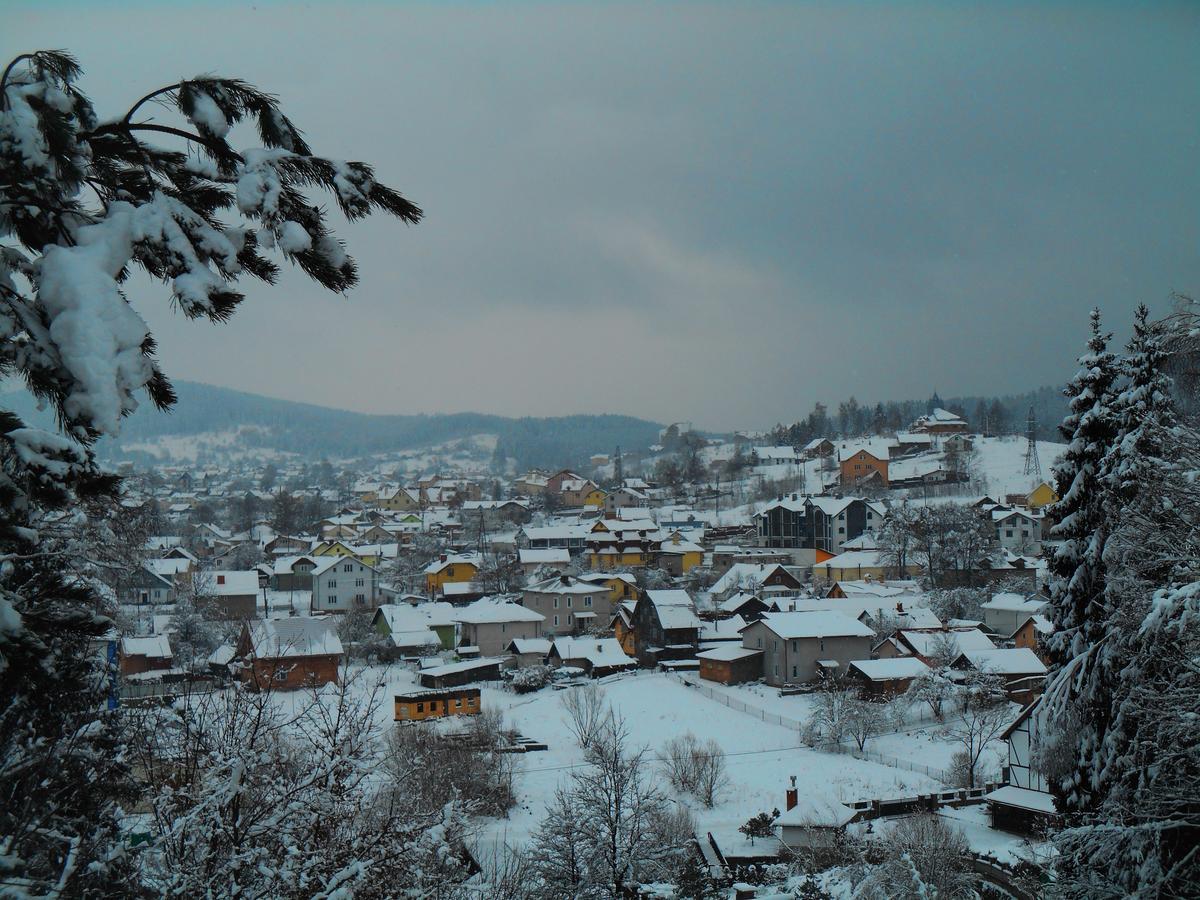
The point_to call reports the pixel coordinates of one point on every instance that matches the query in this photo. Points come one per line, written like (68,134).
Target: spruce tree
(1077,571)
(85,202)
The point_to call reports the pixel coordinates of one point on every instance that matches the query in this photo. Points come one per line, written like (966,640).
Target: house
(744,605)
(933,646)
(581,492)
(491,623)
(1032,634)
(420,630)
(1041,496)
(803,646)
(292,573)
(145,587)
(230,594)
(1022,672)
(552,557)
(568,604)
(622,626)
(814,822)
(1017,530)
(460,673)
(823,525)
(1024,805)
(285,654)
(145,654)
(665,627)
(621,585)
(817,448)
(862,465)
(678,557)
(751,577)
(450,569)
(624,498)
(342,584)
(886,678)
(730,664)
(941,421)
(529,651)
(1005,613)
(859,565)
(596,656)
(417,706)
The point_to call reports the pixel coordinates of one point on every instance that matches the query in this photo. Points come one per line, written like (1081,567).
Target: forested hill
(317,431)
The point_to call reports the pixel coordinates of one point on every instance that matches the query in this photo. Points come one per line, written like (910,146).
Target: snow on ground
(761,756)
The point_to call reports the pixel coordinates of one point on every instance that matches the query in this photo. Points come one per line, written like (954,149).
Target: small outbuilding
(730,664)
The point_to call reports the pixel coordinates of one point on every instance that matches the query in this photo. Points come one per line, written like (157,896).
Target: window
(503,627)
(570,619)
(793,671)
(458,702)
(821,641)
(587,601)
(348,567)
(569,602)
(556,603)
(450,572)
(420,707)
(842,529)
(1008,532)
(332,598)
(361,598)
(556,620)
(794,646)
(332,583)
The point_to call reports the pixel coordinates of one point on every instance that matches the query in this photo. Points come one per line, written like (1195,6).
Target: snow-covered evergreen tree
(85,203)
(1140,832)
(1077,566)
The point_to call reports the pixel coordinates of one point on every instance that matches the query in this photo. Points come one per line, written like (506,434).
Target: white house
(342,583)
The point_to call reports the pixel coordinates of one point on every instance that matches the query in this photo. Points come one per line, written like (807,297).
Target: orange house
(862,466)
(421,705)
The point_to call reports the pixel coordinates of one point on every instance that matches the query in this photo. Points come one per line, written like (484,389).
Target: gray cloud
(715,213)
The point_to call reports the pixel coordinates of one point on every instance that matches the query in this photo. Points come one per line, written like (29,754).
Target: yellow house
(399,500)
(680,555)
(332,548)
(612,558)
(1042,495)
(447,569)
(621,586)
(594,497)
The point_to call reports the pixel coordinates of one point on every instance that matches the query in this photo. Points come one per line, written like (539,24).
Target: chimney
(442,557)
(793,796)
(900,607)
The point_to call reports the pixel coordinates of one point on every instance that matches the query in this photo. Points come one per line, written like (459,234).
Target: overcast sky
(718,213)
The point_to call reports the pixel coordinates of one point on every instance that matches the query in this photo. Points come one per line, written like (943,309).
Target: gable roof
(494,610)
(293,637)
(820,624)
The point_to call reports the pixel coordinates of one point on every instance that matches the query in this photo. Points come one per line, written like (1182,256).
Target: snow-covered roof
(421,637)
(818,624)
(167,567)
(601,652)
(1005,661)
(155,646)
(1018,603)
(461,559)
(727,653)
(853,559)
(722,629)
(294,637)
(1023,798)
(928,642)
(544,556)
(744,573)
(565,584)
(227,582)
(488,610)
(674,608)
(421,617)
(540,646)
(817,811)
(465,666)
(889,669)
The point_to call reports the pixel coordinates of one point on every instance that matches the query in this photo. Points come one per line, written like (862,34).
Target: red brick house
(286,654)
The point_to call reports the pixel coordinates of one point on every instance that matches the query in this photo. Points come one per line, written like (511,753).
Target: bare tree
(588,713)
(694,767)
(985,714)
